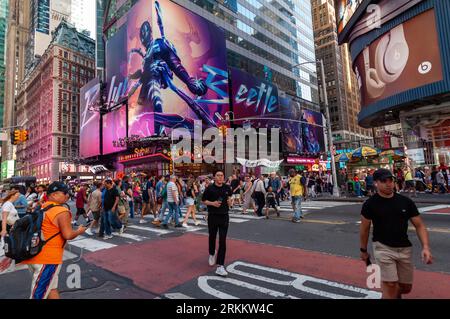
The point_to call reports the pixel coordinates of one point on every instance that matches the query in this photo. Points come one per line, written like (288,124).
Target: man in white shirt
(260,194)
(173,202)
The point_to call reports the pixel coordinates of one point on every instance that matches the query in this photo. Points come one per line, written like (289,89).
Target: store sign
(140,152)
(97,169)
(417,155)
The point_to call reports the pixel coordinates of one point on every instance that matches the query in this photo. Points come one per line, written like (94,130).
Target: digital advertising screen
(171,66)
(345,9)
(406,57)
(115,130)
(253,98)
(302,131)
(89,119)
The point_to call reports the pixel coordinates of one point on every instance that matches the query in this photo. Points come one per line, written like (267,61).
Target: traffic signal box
(19,136)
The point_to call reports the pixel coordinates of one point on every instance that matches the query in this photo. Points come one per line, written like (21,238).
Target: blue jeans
(296,205)
(164,206)
(173,210)
(114,220)
(105,223)
(131,208)
(358,189)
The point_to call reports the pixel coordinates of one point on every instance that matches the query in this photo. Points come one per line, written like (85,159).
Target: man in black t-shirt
(390,212)
(110,203)
(217,197)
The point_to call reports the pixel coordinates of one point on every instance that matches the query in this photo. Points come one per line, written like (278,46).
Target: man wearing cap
(297,191)
(57,229)
(390,212)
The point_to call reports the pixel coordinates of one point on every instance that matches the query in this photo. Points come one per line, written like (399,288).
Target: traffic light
(24,136)
(16,136)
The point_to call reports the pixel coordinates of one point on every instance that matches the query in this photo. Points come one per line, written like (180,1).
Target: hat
(382,173)
(57,187)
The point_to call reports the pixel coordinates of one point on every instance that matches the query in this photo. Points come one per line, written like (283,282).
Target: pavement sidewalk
(420,199)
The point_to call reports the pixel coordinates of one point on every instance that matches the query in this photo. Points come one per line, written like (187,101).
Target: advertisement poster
(303,133)
(345,9)
(172,69)
(253,98)
(378,14)
(115,131)
(405,58)
(89,119)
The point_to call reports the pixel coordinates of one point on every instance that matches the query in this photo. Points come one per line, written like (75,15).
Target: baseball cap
(57,187)
(382,173)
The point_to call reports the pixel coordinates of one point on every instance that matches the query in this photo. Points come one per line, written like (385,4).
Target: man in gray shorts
(390,212)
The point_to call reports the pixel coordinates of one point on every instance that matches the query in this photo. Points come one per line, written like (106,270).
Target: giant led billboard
(302,130)
(114,130)
(378,14)
(404,58)
(171,66)
(90,119)
(253,99)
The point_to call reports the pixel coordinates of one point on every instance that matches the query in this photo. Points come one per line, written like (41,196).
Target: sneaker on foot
(142,221)
(221,271)
(89,232)
(178,226)
(212,259)
(106,237)
(197,223)
(121,229)
(185,225)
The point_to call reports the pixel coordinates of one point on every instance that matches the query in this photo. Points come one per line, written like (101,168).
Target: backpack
(21,243)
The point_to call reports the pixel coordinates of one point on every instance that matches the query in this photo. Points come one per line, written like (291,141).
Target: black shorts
(81,211)
(410,184)
(369,188)
(146,200)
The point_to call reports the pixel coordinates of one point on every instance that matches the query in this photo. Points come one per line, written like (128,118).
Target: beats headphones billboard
(404,58)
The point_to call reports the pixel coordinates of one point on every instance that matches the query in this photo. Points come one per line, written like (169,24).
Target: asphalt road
(275,258)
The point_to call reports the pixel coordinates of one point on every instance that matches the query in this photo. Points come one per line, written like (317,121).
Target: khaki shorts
(395,263)
(45,279)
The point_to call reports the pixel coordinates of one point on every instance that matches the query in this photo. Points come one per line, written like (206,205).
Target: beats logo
(424,67)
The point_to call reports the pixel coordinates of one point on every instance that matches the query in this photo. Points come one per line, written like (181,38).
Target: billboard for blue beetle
(253,99)
(170,67)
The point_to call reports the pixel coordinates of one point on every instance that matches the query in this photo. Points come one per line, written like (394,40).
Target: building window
(66,55)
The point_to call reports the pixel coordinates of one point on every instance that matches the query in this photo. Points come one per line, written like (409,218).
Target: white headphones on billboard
(391,57)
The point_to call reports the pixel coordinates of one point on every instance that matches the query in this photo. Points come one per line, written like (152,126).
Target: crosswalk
(136,232)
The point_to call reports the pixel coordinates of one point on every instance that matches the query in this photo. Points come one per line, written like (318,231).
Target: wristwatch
(363,250)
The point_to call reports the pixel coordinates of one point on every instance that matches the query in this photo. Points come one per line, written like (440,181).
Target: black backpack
(22,243)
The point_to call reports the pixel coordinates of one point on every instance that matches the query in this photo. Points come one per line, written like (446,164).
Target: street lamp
(327,112)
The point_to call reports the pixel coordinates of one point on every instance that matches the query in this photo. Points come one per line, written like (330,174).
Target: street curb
(362,200)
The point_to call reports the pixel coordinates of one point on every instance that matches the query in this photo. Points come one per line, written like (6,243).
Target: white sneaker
(212,259)
(221,271)
(89,232)
(121,229)
(197,223)
(142,221)
(185,225)
(106,237)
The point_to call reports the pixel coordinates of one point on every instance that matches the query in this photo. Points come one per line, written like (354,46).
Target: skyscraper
(45,16)
(16,39)
(48,103)
(342,87)
(262,37)
(3,29)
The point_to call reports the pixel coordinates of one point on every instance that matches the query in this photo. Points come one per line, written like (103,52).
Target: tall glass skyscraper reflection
(266,38)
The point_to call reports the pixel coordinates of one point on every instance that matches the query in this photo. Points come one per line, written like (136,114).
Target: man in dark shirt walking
(390,212)
(217,197)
